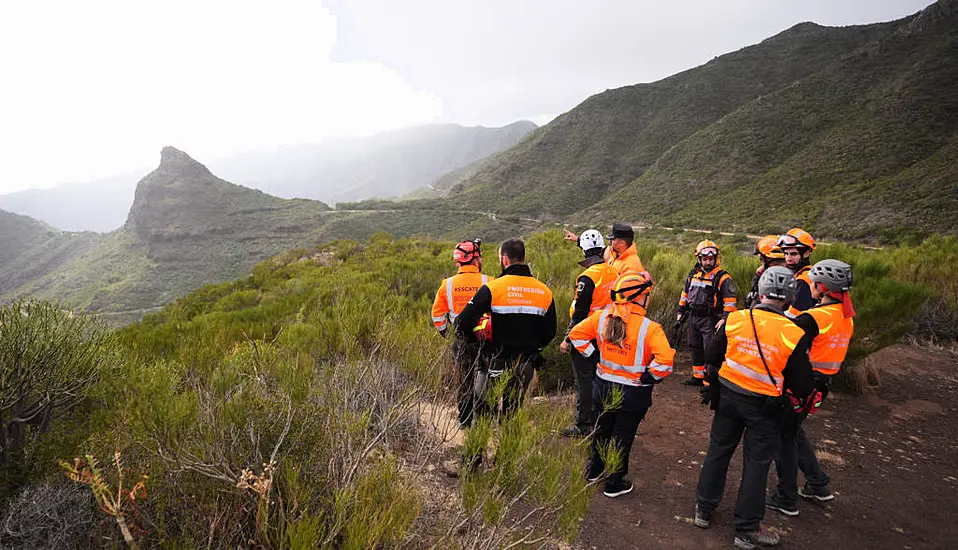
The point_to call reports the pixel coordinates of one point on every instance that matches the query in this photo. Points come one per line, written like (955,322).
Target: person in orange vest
(523,316)
(770,254)
(633,355)
(453,295)
(830,325)
(706,301)
(621,253)
(798,245)
(593,291)
(764,371)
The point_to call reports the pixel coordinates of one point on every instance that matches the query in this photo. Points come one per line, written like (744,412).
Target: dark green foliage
(848,132)
(49,360)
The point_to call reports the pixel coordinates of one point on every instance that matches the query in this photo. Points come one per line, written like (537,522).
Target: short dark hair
(514,249)
(628,242)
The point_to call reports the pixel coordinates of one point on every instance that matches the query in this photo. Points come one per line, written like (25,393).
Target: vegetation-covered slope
(188,228)
(321,373)
(754,138)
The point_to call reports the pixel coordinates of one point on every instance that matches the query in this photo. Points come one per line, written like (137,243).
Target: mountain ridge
(667,152)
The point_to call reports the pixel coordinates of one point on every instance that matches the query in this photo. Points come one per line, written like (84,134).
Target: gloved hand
(443,332)
(680,317)
(808,405)
(705,392)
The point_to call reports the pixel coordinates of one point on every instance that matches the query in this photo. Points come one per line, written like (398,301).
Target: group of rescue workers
(762,369)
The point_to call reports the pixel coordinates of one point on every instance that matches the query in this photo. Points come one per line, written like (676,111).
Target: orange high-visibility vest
(834,333)
(454,293)
(627,262)
(514,294)
(645,347)
(603,276)
(743,364)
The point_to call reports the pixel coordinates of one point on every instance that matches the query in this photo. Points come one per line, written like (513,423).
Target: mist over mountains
(384,165)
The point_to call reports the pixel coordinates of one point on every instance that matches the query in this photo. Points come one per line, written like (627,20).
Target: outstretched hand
(570,236)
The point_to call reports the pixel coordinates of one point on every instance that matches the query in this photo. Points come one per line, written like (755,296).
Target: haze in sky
(98,87)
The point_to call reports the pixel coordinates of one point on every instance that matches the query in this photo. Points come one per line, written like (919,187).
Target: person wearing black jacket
(523,317)
(764,371)
(593,291)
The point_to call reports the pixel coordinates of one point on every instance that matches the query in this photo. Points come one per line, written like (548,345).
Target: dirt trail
(891,454)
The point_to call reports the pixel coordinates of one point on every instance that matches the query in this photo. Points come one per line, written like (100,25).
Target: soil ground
(891,454)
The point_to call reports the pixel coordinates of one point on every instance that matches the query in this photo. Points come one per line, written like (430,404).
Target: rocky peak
(931,17)
(176,162)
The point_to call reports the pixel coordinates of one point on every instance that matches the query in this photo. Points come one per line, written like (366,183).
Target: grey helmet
(778,283)
(835,275)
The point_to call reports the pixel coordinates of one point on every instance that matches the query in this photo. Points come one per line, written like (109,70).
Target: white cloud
(95,87)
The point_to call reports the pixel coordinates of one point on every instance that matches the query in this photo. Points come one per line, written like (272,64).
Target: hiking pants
(518,372)
(618,425)
(798,453)
(465,355)
(701,329)
(737,415)
(583,369)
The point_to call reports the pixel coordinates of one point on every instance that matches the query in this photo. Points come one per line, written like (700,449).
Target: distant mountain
(188,228)
(99,205)
(385,165)
(850,132)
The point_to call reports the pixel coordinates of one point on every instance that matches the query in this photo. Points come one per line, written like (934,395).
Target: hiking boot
(756,539)
(693,381)
(811,492)
(574,431)
(779,504)
(703,519)
(612,490)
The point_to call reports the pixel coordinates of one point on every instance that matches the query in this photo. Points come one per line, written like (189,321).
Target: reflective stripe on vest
(603,277)
(830,347)
(743,365)
(615,372)
(517,294)
(449,296)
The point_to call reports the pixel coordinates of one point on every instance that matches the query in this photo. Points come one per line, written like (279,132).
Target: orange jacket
(834,333)
(645,356)
(454,293)
(603,277)
(743,366)
(627,262)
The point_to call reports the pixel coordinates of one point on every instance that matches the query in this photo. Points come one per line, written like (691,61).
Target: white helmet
(591,239)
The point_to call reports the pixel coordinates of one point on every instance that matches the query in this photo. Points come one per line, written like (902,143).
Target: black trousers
(798,453)
(583,369)
(754,418)
(617,425)
(466,356)
(701,330)
(518,371)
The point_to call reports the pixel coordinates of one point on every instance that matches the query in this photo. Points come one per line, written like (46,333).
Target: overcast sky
(95,88)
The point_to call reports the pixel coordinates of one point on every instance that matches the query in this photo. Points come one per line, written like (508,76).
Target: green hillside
(320,370)
(189,228)
(752,139)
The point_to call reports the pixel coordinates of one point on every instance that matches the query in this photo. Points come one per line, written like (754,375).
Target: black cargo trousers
(758,420)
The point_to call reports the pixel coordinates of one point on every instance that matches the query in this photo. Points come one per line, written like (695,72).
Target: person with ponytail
(830,325)
(633,355)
